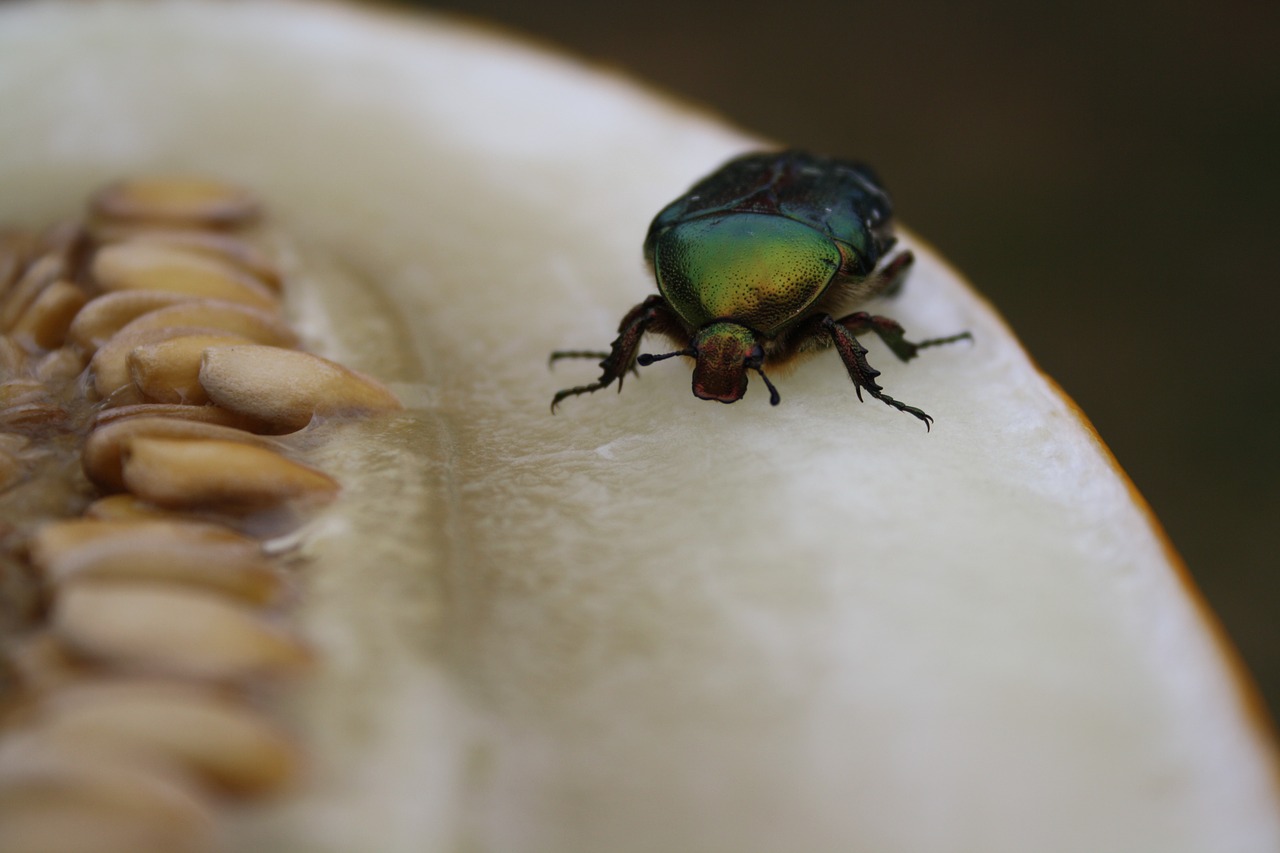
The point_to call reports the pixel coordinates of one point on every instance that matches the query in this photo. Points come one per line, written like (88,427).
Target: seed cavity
(155,419)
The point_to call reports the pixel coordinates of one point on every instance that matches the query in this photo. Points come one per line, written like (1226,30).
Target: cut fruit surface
(647,623)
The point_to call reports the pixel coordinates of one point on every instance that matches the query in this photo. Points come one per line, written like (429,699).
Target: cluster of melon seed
(151,402)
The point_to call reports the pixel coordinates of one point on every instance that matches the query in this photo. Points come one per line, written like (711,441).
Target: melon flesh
(649,622)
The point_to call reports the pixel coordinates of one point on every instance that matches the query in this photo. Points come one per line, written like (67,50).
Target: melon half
(646,624)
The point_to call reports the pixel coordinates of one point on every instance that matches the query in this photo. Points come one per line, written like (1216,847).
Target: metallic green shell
(763,237)
(762,271)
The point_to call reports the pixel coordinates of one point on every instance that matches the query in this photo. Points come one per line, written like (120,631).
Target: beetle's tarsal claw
(573,392)
(949,339)
(910,410)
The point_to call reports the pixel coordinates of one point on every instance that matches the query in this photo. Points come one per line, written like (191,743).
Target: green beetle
(751,262)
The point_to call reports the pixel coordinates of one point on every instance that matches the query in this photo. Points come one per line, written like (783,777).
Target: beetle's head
(723,352)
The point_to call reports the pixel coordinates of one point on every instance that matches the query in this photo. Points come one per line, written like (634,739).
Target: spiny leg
(854,356)
(622,354)
(894,335)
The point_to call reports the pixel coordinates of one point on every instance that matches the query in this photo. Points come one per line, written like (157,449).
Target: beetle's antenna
(648,359)
(774,397)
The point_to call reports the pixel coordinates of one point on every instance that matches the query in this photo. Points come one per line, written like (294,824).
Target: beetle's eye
(755,358)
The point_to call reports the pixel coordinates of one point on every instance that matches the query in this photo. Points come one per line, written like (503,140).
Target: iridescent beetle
(751,262)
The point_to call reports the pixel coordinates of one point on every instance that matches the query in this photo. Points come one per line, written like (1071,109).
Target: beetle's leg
(576,353)
(893,334)
(622,354)
(819,329)
(888,279)
(583,353)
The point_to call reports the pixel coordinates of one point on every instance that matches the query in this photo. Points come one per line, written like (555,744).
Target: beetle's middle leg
(893,335)
(621,357)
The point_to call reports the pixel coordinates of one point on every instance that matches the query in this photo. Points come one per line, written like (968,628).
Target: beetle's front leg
(622,354)
(820,328)
(893,334)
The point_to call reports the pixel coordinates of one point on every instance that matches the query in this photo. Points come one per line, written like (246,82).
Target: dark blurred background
(1105,172)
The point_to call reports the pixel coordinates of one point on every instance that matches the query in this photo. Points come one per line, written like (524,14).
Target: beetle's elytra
(751,262)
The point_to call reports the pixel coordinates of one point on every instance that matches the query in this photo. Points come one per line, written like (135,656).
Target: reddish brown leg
(893,335)
(889,278)
(823,330)
(653,312)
